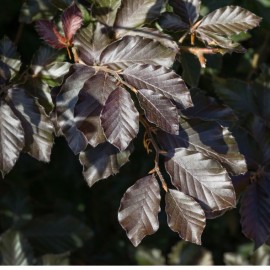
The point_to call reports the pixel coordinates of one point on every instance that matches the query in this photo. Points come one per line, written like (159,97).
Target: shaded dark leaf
(10,59)
(172,22)
(255,211)
(188,10)
(103,161)
(120,119)
(11,138)
(72,21)
(56,234)
(37,126)
(15,249)
(59,259)
(138,212)
(61,4)
(91,100)
(133,14)
(105,10)
(228,20)
(202,178)
(161,80)
(159,110)
(210,139)
(136,50)
(185,216)
(66,101)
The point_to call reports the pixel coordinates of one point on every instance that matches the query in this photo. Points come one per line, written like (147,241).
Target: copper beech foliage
(120,80)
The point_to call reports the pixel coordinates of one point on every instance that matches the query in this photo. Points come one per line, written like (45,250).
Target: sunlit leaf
(138,212)
(185,216)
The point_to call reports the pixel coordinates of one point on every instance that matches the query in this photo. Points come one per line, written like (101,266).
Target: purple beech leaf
(161,80)
(202,178)
(139,208)
(65,103)
(228,20)
(105,11)
(185,216)
(210,139)
(136,50)
(159,110)
(11,138)
(255,211)
(133,14)
(188,10)
(37,126)
(90,42)
(91,100)
(120,119)
(9,58)
(172,22)
(103,161)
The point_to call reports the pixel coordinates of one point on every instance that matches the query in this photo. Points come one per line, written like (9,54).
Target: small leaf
(210,139)
(188,10)
(103,161)
(172,22)
(48,32)
(229,20)
(185,216)
(66,102)
(202,178)
(56,233)
(159,110)
(138,212)
(255,211)
(10,59)
(91,100)
(72,21)
(15,249)
(161,80)
(133,14)
(120,119)
(11,138)
(136,50)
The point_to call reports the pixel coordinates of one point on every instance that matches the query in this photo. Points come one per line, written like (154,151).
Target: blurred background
(48,212)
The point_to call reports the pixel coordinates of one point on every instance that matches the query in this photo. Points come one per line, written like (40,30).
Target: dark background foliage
(34,196)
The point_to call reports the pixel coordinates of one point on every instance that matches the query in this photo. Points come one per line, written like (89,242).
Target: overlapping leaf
(103,161)
(15,249)
(172,22)
(161,80)
(133,14)
(159,110)
(185,216)
(11,138)
(120,119)
(91,100)
(136,50)
(255,211)
(138,212)
(66,102)
(9,59)
(202,178)
(210,139)
(228,20)
(37,126)
(188,10)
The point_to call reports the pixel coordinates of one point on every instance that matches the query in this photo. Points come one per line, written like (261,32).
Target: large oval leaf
(229,20)
(91,100)
(11,138)
(65,103)
(159,110)
(120,119)
(136,50)
(185,216)
(159,79)
(201,178)
(138,212)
